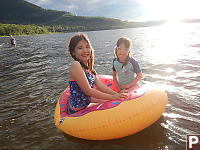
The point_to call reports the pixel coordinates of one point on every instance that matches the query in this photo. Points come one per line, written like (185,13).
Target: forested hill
(19,17)
(23,12)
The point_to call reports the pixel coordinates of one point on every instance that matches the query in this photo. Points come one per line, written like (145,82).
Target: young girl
(83,77)
(124,66)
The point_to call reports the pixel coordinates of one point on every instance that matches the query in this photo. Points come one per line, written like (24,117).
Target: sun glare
(171,9)
(170,44)
(169,41)
(167,44)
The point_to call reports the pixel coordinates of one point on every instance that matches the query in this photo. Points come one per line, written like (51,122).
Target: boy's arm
(116,81)
(133,82)
(138,72)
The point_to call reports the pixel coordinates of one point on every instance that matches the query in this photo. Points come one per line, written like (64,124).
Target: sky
(132,10)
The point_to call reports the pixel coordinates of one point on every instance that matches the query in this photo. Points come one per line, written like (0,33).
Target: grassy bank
(15,29)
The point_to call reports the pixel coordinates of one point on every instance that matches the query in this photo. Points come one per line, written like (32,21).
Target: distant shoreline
(20,29)
(27,30)
(31,34)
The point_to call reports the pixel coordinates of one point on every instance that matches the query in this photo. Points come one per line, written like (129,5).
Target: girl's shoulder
(75,64)
(74,70)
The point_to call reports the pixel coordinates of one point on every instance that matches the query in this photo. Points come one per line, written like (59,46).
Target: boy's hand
(124,87)
(123,93)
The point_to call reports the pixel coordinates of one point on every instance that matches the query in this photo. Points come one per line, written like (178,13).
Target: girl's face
(122,52)
(83,51)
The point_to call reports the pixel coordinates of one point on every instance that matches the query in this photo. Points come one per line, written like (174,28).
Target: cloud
(106,8)
(38,2)
(70,5)
(135,10)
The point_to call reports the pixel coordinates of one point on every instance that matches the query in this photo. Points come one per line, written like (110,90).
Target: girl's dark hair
(123,40)
(72,45)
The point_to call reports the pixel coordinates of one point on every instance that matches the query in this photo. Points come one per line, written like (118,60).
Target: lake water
(35,72)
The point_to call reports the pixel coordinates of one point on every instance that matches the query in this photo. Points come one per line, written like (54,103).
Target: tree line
(15,29)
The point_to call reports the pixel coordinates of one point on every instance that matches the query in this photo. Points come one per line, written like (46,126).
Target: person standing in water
(12,40)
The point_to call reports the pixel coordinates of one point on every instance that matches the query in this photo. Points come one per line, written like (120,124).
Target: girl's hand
(120,95)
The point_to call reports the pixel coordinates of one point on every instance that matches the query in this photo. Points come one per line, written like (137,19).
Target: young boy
(126,70)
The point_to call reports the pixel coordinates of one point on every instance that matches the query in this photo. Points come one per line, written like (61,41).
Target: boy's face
(122,52)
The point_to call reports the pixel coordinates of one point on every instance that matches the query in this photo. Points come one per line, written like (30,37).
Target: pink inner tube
(135,92)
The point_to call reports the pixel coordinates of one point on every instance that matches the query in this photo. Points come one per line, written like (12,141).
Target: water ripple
(33,74)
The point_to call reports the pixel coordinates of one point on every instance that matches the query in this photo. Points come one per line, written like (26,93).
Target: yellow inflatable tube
(127,117)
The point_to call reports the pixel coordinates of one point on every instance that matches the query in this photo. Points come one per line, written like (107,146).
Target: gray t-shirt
(126,72)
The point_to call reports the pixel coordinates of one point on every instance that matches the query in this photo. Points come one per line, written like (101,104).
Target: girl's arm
(116,81)
(103,88)
(77,74)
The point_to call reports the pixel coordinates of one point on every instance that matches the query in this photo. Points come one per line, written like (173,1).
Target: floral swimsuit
(78,99)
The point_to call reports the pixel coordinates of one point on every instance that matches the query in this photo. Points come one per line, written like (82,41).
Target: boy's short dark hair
(125,41)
